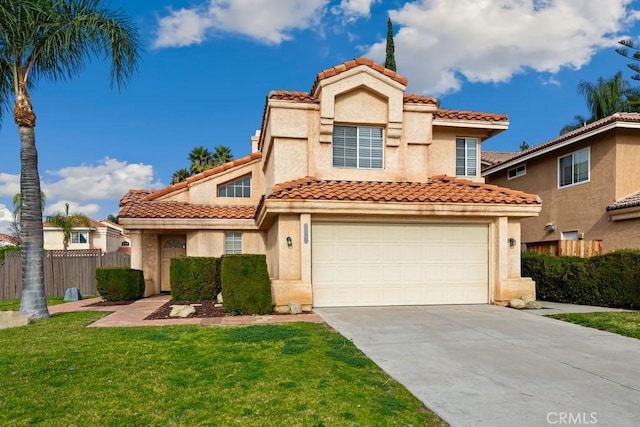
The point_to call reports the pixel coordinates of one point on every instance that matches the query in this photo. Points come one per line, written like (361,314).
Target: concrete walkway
(135,313)
(484,365)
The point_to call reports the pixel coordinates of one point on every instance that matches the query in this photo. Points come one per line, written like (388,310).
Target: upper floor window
(517,171)
(466,156)
(573,168)
(232,242)
(357,147)
(77,237)
(238,188)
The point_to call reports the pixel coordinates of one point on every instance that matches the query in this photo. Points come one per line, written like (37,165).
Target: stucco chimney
(254,141)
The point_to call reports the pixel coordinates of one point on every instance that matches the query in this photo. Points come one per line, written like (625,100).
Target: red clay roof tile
(329,72)
(178,210)
(439,189)
(630,201)
(410,98)
(469,115)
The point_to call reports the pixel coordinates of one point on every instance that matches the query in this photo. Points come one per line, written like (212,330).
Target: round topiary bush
(119,283)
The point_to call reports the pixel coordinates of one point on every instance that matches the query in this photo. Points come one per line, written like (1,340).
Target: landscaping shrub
(246,288)
(119,283)
(611,280)
(6,248)
(195,278)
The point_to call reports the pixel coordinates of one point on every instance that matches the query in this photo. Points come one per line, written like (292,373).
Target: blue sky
(208,65)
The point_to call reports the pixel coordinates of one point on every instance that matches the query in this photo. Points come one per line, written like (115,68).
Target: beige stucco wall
(210,243)
(613,174)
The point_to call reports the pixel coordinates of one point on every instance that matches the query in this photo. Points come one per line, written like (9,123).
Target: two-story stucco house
(104,235)
(357,192)
(588,179)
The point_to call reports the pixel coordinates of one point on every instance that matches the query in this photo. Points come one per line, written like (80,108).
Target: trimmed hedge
(609,280)
(195,278)
(246,288)
(119,283)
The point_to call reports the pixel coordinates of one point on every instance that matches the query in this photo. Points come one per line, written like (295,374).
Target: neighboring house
(588,180)
(104,235)
(7,240)
(358,194)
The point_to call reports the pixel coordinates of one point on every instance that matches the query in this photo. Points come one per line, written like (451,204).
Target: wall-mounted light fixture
(289,241)
(550,227)
(512,242)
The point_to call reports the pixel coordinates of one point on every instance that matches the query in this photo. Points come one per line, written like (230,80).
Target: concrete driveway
(484,365)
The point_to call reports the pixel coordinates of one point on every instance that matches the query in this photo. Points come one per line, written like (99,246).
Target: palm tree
(67,222)
(180,175)
(17,208)
(222,155)
(603,98)
(51,39)
(201,159)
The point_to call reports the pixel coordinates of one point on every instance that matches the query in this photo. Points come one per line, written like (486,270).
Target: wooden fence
(62,270)
(581,248)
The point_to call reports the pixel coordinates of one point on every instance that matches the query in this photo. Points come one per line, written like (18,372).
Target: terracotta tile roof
(180,210)
(152,195)
(439,189)
(626,202)
(410,98)
(134,196)
(292,95)
(335,70)
(469,115)
(617,117)
(495,157)
(8,239)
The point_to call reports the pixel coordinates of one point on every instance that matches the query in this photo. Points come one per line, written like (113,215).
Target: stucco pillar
(305,248)
(508,283)
(136,249)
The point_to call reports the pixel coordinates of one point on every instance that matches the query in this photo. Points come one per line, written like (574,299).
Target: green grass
(14,304)
(57,372)
(625,323)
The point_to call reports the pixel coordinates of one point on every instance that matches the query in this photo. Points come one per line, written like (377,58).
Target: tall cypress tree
(390,62)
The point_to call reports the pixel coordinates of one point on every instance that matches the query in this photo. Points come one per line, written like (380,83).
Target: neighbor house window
(574,168)
(517,171)
(232,242)
(569,235)
(238,188)
(466,156)
(357,147)
(79,237)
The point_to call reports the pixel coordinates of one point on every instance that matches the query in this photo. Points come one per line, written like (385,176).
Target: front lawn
(57,372)
(14,304)
(620,322)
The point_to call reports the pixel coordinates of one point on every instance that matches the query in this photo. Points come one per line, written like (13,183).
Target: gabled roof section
(495,157)
(153,195)
(292,95)
(631,120)
(469,116)
(341,68)
(630,201)
(439,189)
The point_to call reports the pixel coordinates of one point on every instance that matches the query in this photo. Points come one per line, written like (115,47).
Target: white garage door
(399,264)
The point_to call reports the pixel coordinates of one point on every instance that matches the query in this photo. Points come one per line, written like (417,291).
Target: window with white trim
(466,156)
(357,147)
(569,235)
(517,171)
(238,188)
(232,242)
(79,237)
(573,168)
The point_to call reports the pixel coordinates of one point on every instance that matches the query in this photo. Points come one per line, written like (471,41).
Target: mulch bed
(204,308)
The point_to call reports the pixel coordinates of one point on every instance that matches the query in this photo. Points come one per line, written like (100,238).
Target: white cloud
(267,21)
(109,180)
(89,209)
(6,216)
(351,10)
(440,42)
(9,185)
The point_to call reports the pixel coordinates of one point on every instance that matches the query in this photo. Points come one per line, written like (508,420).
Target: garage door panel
(399,264)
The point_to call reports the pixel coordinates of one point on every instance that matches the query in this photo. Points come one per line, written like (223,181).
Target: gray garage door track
(484,365)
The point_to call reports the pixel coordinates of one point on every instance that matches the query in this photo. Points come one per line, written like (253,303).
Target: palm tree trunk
(34,303)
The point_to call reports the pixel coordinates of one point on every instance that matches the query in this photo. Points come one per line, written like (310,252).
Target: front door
(172,247)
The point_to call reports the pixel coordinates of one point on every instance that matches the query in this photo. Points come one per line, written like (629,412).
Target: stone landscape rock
(527,298)
(517,303)
(72,294)
(295,308)
(219,298)
(534,304)
(12,319)
(283,309)
(181,310)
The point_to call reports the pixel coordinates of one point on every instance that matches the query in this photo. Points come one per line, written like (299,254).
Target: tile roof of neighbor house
(626,202)
(8,239)
(495,157)
(617,117)
(439,189)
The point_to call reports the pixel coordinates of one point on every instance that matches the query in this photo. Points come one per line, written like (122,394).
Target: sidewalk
(134,314)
